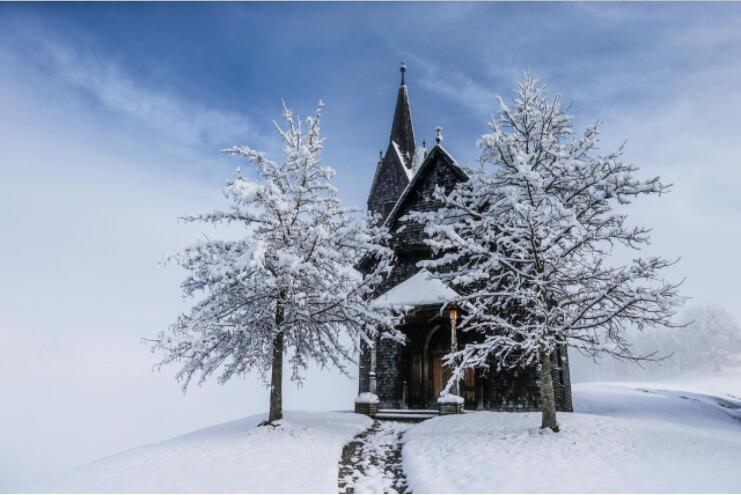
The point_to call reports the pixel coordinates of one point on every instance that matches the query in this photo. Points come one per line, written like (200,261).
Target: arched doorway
(436,346)
(425,376)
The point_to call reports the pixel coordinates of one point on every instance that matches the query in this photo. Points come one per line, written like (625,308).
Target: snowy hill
(624,437)
(301,455)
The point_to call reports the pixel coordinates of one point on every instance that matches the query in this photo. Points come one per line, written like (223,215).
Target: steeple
(394,169)
(402,133)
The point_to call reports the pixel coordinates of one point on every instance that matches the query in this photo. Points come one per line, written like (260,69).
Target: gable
(438,169)
(389,182)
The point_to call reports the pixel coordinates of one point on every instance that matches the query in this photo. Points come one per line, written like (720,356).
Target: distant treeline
(710,342)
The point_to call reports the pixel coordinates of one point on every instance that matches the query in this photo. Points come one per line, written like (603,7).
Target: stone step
(404,417)
(409,411)
(411,415)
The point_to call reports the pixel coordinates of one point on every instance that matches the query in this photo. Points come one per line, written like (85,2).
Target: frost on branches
(527,238)
(289,282)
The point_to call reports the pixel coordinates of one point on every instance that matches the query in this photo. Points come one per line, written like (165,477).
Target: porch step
(411,415)
(409,411)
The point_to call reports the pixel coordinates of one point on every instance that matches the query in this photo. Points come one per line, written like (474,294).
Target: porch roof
(421,289)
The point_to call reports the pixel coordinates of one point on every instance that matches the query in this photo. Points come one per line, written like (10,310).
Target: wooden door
(436,374)
(439,376)
(468,388)
(416,381)
(437,379)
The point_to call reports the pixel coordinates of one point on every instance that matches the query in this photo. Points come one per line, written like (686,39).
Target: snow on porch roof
(419,290)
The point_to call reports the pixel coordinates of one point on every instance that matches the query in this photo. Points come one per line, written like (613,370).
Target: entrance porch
(410,376)
(423,373)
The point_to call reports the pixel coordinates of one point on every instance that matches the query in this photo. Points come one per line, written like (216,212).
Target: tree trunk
(547,394)
(276,379)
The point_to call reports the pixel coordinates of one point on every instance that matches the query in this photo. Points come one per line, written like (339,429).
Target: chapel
(411,375)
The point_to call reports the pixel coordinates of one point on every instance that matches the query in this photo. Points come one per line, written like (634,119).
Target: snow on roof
(419,290)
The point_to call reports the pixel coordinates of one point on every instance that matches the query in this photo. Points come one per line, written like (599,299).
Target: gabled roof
(421,171)
(421,289)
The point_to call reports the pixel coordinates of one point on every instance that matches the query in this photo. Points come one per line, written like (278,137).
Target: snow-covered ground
(725,383)
(639,437)
(300,455)
(681,435)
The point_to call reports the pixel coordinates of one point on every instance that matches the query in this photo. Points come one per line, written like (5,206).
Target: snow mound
(299,455)
(622,439)
(450,399)
(366,398)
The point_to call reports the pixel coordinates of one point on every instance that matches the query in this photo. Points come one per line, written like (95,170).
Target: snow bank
(450,399)
(621,440)
(300,455)
(366,398)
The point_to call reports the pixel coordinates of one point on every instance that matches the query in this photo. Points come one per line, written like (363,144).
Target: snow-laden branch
(291,274)
(526,241)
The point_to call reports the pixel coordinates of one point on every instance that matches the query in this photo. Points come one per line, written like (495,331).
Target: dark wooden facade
(410,375)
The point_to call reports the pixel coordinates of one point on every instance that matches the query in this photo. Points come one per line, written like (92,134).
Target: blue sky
(241,59)
(112,115)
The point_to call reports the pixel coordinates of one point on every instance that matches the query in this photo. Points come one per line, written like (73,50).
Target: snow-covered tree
(289,283)
(527,241)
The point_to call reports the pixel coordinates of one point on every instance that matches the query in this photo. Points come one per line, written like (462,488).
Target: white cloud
(168,115)
(455,86)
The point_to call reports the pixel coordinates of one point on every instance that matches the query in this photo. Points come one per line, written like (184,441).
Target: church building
(411,375)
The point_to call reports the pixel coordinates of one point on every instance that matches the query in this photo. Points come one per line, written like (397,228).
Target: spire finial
(403,69)
(438,134)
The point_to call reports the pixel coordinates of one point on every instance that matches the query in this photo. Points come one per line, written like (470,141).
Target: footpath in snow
(371,463)
(300,455)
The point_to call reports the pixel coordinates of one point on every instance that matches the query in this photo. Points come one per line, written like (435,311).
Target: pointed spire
(402,132)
